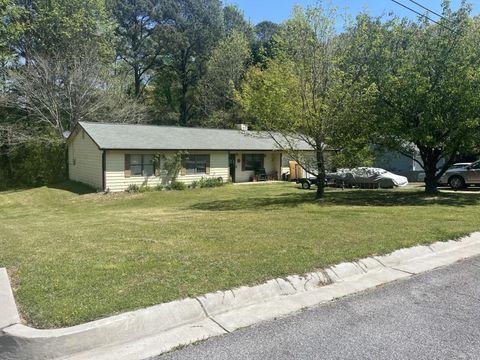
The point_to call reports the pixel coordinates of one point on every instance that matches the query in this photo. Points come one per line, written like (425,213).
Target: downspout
(104,172)
(67,165)
(280,167)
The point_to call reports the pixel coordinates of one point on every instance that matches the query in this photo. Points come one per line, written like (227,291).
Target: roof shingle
(152,137)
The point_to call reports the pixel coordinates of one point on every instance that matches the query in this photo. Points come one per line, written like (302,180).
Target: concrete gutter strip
(152,345)
(22,342)
(144,333)
(8,309)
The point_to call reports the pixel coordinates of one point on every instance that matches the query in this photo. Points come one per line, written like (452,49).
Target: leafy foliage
(197,28)
(172,164)
(262,48)
(140,38)
(58,27)
(234,21)
(33,163)
(225,70)
(208,183)
(176,185)
(410,86)
(426,79)
(307,93)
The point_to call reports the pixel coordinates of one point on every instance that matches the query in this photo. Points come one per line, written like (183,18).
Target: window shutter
(207,170)
(243,162)
(128,172)
(263,161)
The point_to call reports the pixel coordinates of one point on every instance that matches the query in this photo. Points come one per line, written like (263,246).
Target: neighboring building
(400,164)
(403,165)
(110,157)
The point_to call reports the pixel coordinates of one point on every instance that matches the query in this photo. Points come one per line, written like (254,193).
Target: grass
(74,258)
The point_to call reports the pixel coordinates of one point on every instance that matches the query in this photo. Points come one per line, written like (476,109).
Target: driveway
(467,190)
(435,315)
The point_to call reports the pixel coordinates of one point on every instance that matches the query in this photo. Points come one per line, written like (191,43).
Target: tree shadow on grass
(252,203)
(73,187)
(70,186)
(340,198)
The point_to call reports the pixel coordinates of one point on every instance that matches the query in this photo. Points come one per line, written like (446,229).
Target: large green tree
(10,30)
(234,20)
(59,27)
(197,27)
(141,32)
(262,47)
(225,70)
(59,68)
(306,92)
(426,78)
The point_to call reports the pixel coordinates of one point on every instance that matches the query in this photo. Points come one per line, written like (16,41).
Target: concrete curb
(9,313)
(22,342)
(148,332)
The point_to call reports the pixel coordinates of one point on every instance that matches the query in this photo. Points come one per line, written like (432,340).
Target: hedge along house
(110,157)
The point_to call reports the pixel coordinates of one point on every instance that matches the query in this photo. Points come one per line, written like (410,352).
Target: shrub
(33,164)
(172,164)
(177,185)
(159,187)
(133,188)
(210,182)
(144,188)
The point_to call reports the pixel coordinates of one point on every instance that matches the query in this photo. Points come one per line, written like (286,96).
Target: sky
(279,10)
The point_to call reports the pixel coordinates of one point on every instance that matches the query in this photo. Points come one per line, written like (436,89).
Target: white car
(362,176)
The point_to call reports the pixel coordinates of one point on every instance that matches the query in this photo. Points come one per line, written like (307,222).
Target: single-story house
(110,157)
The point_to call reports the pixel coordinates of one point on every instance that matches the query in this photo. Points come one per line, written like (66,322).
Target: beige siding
(271,163)
(84,160)
(115,170)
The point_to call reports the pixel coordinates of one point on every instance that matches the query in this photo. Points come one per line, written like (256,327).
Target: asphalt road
(435,315)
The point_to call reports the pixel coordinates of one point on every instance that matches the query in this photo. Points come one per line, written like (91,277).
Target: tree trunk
(430,185)
(430,160)
(183,105)
(185,86)
(138,83)
(320,172)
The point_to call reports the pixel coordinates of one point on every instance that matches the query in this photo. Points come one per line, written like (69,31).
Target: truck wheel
(306,185)
(456,182)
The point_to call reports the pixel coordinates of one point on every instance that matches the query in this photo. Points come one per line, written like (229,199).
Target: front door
(232,164)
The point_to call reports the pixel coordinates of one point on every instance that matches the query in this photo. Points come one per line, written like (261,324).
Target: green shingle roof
(152,137)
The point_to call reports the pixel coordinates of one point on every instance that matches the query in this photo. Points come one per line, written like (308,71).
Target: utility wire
(429,10)
(423,15)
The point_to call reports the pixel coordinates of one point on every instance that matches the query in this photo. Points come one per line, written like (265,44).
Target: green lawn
(74,258)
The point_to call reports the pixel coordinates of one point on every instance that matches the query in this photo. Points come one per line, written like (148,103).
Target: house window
(253,162)
(196,164)
(142,165)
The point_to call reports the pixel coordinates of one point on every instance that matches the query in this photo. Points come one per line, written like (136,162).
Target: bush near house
(33,164)
(208,183)
(74,258)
